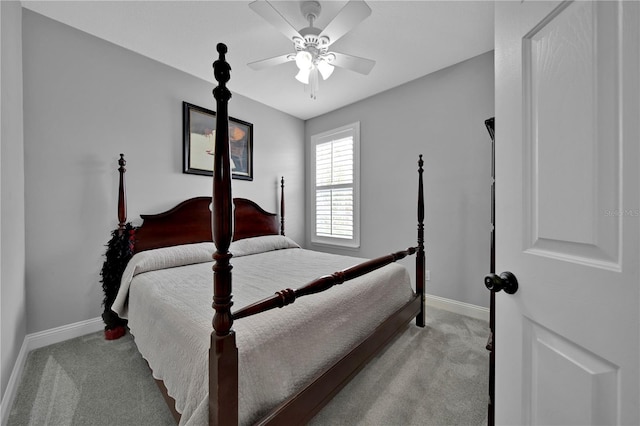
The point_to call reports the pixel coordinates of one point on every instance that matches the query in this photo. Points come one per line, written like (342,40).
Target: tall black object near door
(492,269)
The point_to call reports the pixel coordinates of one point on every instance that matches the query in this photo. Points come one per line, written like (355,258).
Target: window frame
(353,130)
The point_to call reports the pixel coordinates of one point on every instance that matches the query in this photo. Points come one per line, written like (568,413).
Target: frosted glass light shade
(304,60)
(303,76)
(325,69)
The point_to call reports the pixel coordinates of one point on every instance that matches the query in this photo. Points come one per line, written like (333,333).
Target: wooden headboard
(190,221)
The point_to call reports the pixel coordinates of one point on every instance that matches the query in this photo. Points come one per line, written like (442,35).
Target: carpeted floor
(432,376)
(88,381)
(438,375)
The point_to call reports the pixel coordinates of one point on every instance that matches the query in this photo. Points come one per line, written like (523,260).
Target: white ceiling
(407,39)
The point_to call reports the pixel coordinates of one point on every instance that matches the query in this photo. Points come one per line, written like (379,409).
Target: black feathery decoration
(119,251)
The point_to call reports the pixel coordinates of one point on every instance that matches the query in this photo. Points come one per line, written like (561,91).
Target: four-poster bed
(262,370)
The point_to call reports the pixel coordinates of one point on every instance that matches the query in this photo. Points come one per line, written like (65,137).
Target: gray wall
(442,117)
(86,101)
(12,225)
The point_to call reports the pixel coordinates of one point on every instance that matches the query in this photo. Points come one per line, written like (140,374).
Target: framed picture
(199,133)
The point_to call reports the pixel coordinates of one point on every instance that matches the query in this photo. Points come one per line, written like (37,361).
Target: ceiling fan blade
(353,63)
(275,18)
(271,62)
(354,12)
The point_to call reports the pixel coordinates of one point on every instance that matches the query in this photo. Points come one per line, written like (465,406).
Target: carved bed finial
(222,74)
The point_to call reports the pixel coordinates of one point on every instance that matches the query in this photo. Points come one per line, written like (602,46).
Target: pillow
(169,257)
(156,259)
(263,244)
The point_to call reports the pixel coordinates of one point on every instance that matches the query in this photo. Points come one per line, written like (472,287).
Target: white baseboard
(39,340)
(461,308)
(65,332)
(12,386)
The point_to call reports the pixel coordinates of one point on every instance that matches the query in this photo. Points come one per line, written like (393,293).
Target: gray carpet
(432,376)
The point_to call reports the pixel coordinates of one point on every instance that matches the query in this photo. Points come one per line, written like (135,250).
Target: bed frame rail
(288,296)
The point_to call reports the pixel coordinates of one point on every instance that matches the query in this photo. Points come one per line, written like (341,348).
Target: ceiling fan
(311,45)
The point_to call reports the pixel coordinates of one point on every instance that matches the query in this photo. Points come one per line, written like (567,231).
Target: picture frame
(198,139)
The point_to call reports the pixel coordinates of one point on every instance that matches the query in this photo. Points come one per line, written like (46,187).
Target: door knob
(505,281)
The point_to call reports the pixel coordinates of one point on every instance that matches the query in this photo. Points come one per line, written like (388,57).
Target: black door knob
(505,281)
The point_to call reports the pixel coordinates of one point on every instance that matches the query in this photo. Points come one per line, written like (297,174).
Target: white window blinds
(335,204)
(334,188)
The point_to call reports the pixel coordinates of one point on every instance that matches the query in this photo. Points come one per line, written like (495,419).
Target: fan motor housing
(311,40)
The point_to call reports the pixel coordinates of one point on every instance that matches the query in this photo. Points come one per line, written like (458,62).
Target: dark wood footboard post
(122,196)
(420,256)
(223,353)
(282,206)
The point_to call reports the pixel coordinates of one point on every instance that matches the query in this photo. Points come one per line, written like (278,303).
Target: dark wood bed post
(223,353)
(282,206)
(122,196)
(420,256)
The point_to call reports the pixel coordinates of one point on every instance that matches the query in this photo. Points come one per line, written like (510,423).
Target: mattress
(166,295)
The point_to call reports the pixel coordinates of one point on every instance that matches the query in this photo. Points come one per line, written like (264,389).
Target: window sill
(327,244)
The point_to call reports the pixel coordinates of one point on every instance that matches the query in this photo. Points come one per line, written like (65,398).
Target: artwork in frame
(199,131)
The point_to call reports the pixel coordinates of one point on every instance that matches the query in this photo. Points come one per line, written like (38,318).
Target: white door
(568,212)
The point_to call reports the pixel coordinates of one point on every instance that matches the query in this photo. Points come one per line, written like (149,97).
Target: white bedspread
(169,312)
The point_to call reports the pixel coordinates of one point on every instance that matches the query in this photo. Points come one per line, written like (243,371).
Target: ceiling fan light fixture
(304,60)
(325,68)
(311,44)
(303,76)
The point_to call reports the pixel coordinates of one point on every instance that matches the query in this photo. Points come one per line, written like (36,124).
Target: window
(334,180)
